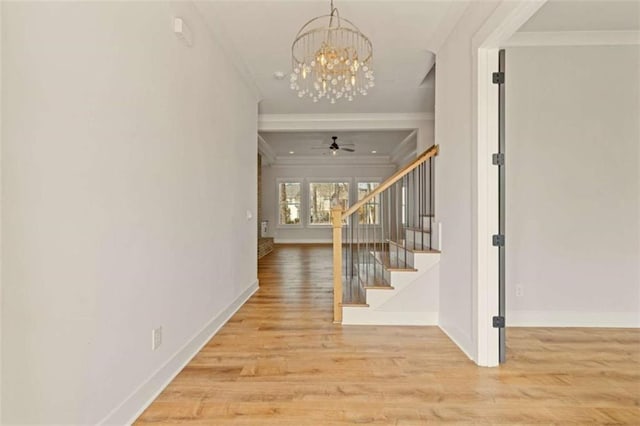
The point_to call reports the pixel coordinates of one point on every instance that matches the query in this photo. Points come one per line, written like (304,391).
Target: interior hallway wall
(454,123)
(127,175)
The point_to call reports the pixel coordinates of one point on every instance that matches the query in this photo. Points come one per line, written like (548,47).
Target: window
(320,197)
(370,212)
(289,207)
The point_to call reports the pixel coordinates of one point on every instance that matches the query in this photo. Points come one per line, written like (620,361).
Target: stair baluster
(382,232)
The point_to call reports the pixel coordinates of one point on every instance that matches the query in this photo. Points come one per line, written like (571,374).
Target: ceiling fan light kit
(331,59)
(334,147)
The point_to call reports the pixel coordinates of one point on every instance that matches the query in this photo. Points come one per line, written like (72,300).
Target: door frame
(499,27)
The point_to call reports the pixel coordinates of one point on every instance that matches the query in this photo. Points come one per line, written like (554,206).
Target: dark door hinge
(498,77)
(498,322)
(498,240)
(498,159)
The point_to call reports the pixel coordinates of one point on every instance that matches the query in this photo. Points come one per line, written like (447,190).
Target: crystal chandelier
(331,59)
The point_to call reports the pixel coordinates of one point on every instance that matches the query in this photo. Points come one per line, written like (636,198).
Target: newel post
(336,221)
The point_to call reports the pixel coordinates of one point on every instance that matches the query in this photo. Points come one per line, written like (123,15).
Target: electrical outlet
(156,338)
(519,291)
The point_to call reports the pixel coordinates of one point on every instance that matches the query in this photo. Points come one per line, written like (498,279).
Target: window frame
(302,209)
(376,180)
(309,181)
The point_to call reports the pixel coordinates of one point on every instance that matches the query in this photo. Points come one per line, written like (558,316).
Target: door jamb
(499,27)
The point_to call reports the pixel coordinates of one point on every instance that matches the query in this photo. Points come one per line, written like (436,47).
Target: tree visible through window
(320,197)
(290,197)
(369,212)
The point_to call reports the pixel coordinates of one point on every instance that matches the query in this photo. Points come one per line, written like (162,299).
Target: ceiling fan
(334,147)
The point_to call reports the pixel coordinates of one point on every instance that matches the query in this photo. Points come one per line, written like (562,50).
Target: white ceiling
(402,32)
(303,143)
(585,15)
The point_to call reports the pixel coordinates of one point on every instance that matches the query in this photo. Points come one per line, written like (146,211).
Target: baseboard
(364,316)
(461,340)
(572,319)
(131,408)
(302,241)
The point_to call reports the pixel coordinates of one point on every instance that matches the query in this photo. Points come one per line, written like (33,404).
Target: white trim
(572,319)
(1,211)
(574,38)
(292,226)
(365,316)
(447,24)
(333,161)
(352,122)
(303,207)
(508,17)
(334,180)
(498,28)
(302,241)
(389,166)
(368,179)
(404,150)
(131,408)
(290,122)
(485,270)
(266,151)
(463,342)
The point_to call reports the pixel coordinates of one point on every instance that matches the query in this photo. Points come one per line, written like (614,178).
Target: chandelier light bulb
(333,59)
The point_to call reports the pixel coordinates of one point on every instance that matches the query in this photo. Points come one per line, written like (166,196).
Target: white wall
(1,258)
(573,184)
(128,165)
(310,233)
(454,123)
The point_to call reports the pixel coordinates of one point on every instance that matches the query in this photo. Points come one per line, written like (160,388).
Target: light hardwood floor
(281,361)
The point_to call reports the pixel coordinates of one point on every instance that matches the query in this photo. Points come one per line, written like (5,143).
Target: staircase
(386,251)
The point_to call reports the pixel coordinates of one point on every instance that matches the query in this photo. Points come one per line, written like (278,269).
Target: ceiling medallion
(331,59)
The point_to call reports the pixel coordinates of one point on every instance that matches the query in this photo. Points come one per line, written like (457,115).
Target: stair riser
(399,279)
(419,261)
(383,310)
(425,261)
(362,316)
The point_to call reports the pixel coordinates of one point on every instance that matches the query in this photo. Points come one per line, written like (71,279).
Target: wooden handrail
(431,152)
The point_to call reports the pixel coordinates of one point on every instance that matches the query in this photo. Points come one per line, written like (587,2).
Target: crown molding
(215,26)
(505,20)
(266,151)
(403,150)
(574,38)
(314,122)
(447,24)
(331,161)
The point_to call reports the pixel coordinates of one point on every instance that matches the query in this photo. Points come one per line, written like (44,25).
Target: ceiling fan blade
(320,147)
(346,144)
(348,149)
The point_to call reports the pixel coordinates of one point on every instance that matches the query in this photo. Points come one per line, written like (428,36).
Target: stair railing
(374,235)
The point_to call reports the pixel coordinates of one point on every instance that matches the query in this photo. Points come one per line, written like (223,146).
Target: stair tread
(387,260)
(411,228)
(417,248)
(374,279)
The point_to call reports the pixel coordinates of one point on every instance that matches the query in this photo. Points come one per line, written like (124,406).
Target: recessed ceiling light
(291,152)
(279,75)
(374,152)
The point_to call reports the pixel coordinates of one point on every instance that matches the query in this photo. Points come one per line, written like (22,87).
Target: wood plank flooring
(281,361)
